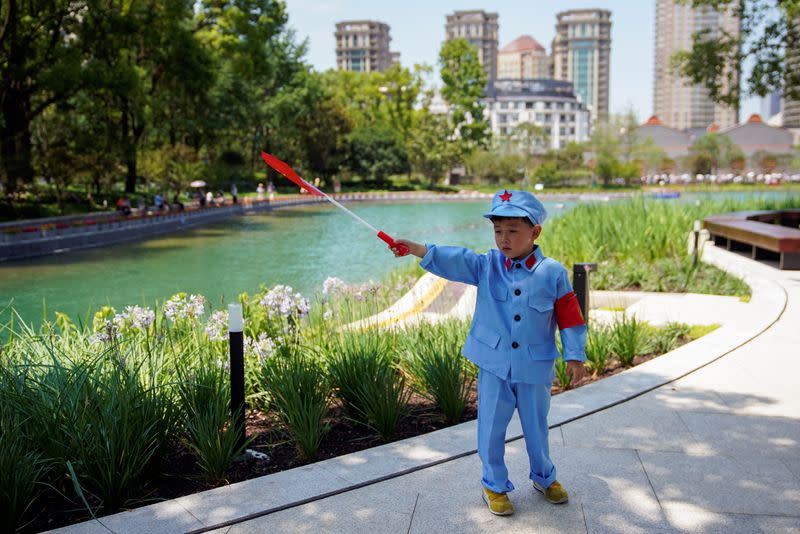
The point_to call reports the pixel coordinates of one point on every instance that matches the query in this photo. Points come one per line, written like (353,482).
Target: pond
(299,247)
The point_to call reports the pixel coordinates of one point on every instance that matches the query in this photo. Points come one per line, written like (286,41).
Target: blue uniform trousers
(497,399)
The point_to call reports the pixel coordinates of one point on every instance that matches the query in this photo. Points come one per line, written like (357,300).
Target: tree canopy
(768,42)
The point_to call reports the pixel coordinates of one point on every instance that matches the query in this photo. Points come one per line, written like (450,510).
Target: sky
(417,32)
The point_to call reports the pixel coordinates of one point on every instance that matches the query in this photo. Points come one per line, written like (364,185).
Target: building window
(503,105)
(528,105)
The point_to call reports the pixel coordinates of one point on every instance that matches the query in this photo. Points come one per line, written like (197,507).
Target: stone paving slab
(630,426)
(719,484)
(693,519)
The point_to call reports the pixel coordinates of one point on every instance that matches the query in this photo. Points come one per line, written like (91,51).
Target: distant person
(271,190)
(176,202)
(235,193)
(337,186)
(159,202)
(201,199)
(209,198)
(260,191)
(124,205)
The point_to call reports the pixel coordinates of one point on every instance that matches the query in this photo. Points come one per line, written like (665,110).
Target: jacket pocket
(486,336)
(499,291)
(543,304)
(543,351)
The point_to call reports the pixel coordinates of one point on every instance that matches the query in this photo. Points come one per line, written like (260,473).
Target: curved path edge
(250,499)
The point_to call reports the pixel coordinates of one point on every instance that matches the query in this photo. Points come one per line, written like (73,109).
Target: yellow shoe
(498,502)
(555,494)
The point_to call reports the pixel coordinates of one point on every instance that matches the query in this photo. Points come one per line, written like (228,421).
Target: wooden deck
(766,234)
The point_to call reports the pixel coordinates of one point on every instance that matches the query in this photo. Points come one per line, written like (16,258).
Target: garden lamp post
(580,283)
(236,337)
(697,227)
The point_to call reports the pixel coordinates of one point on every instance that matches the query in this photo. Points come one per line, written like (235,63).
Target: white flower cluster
(217,326)
(333,285)
(262,348)
(134,318)
(360,293)
(283,301)
(328,313)
(106,332)
(181,306)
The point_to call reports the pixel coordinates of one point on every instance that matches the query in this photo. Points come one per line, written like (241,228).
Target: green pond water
(299,247)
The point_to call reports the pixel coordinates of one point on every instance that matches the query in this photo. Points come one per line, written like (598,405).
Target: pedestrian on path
(522,296)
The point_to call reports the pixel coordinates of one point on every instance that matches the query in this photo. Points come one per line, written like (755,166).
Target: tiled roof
(523,43)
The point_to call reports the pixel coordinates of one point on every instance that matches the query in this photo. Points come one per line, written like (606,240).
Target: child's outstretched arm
(453,263)
(413,248)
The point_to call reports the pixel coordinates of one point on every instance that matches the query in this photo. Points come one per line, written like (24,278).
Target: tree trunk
(15,140)
(129,150)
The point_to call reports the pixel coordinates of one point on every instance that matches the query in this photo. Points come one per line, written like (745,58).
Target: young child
(522,296)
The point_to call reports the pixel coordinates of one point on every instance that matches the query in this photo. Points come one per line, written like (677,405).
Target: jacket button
(517,292)
(519,265)
(517,317)
(514,345)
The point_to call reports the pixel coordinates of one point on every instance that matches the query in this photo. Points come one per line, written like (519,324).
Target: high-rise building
(675,101)
(582,55)
(771,104)
(791,107)
(363,46)
(480,29)
(523,59)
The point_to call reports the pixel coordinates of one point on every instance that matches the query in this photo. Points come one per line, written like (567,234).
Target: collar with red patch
(529,262)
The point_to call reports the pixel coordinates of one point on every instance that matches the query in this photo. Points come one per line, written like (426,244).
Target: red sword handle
(402,249)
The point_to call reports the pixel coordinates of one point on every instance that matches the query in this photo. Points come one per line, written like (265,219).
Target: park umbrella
(289,173)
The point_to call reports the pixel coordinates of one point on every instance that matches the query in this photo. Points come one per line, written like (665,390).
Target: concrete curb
(262,496)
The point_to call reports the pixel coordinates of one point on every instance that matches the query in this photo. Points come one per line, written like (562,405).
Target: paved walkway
(715,451)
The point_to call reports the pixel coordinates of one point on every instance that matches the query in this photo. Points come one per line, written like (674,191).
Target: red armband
(568,311)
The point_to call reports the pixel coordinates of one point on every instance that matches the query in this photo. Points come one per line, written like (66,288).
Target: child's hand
(413,248)
(576,369)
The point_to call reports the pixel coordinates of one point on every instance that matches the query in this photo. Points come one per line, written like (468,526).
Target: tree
(715,150)
(529,138)
(769,34)
(464,82)
(431,149)
(41,63)
(377,152)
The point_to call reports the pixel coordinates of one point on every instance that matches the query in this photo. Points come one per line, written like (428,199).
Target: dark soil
(179,474)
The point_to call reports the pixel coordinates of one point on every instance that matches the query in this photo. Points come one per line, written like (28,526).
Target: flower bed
(159,380)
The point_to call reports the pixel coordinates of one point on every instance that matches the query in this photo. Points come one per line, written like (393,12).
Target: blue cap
(517,204)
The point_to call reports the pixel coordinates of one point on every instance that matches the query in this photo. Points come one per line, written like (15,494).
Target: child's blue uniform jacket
(518,306)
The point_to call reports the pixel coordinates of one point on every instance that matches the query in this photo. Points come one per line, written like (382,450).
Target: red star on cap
(505,197)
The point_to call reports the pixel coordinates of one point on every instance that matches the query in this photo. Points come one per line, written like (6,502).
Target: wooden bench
(766,234)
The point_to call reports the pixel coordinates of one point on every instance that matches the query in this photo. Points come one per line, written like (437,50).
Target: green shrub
(630,339)
(351,359)
(433,360)
(211,435)
(22,470)
(298,390)
(563,375)
(599,345)
(666,338)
